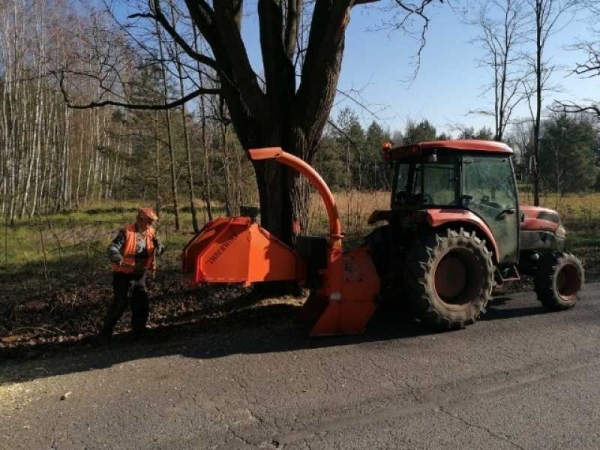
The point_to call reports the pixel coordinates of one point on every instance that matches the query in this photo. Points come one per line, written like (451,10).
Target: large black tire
(449,279)
(558,280)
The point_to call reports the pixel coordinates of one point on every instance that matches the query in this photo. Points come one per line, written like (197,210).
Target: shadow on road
(274,330)
(497,309)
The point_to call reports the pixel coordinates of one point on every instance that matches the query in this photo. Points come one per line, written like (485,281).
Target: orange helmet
(147,214)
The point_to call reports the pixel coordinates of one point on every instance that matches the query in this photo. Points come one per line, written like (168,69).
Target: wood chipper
(454,233)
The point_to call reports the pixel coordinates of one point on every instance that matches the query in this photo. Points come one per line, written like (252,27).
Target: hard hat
(147,213)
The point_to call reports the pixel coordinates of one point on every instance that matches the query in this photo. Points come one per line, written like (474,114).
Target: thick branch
(235,56)
(279,69)
(294,10)
(573,108)
(166,105)
(322,65)
(160,18)
(204,18)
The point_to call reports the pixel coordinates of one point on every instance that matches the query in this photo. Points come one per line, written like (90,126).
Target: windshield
(440,183)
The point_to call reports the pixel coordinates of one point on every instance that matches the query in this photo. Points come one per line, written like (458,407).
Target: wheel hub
(450,277)
(568,281)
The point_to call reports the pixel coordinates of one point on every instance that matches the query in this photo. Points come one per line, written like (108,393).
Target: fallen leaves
(51,318)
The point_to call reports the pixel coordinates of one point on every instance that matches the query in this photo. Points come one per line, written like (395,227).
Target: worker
(132,254)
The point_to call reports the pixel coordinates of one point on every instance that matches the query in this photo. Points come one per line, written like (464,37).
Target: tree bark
(169,132)
(538,113)
(188,152)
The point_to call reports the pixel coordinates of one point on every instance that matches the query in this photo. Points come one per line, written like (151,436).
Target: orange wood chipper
(454,233)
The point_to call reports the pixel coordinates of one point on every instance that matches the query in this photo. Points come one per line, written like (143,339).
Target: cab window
(440,182)
(433,183)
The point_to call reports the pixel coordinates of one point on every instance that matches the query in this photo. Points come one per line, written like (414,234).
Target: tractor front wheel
(558,280)
(449,279)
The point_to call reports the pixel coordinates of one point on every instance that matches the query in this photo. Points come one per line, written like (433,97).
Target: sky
(449,83)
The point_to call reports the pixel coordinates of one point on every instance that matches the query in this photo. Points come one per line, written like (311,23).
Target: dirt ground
(60,304)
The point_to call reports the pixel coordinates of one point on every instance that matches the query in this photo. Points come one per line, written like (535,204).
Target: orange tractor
(454,233)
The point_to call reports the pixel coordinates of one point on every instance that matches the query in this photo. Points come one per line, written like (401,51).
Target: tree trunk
(538,112)
(205,147)
(157,164)
(188,152)
(169,131)
(283,194)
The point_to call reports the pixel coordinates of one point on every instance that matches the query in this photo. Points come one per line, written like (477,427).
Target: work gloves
(159,248)
(115,257)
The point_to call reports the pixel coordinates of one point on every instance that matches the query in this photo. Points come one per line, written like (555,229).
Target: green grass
(579,239)
(78,239)
(85,233)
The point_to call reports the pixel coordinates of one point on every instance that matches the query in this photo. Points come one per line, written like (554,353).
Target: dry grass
(83,235)
(577,210)
(354,208)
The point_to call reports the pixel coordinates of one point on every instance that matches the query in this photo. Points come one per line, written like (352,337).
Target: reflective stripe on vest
(129,247)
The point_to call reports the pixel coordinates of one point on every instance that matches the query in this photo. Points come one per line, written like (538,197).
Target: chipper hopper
(238,250)
(455,233)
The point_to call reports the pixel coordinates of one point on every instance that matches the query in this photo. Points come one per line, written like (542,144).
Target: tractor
(453,235)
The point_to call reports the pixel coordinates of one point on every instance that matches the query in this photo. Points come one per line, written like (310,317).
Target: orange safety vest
(128,251)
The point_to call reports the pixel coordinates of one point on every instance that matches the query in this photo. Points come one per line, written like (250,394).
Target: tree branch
(230,52)
(159,17)
(294,11)
(322,64)
(164,106)
(279,69)
(573,108)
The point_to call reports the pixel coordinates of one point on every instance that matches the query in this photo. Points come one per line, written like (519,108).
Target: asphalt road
(519,378)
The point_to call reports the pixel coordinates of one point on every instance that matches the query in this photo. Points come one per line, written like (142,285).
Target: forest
(59,155)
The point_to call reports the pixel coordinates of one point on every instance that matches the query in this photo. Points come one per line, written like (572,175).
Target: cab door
(489,190)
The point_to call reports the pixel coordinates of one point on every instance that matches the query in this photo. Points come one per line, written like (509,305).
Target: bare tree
(549,16)
(184,124)
(502,25)
(290,106)
(163,71)
(590,68)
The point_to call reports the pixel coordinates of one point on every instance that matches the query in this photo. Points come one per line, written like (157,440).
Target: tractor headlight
(561,232)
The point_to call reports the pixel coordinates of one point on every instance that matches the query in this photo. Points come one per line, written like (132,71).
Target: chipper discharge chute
(344,286)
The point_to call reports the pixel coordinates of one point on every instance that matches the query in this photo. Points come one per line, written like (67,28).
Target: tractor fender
(457,218)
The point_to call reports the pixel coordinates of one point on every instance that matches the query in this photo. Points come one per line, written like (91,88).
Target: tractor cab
(472,181)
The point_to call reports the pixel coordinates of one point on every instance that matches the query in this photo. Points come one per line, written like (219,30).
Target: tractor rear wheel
(558,280)
(449,279)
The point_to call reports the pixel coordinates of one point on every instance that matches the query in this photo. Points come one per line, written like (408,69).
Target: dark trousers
(128,289)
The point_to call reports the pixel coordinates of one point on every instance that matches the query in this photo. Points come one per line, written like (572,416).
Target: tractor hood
(537,218)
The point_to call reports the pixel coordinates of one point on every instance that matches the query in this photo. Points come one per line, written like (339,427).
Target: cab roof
(461,145)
